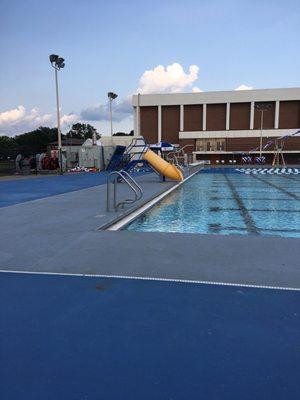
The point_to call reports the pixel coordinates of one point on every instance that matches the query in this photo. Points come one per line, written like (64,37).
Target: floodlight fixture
(53,58)
(112,95)
(262,107)
(56,61)
(60,62)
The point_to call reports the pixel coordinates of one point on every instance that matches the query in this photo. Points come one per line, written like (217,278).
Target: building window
(220,146)
(210,145)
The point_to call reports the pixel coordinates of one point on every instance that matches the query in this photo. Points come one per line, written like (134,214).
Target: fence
(7,167)
(74,157)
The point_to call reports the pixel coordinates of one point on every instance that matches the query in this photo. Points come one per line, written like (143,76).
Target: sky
(137,46)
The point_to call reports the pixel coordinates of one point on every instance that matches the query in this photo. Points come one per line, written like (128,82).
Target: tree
(7,147)
(36,141)
(83,131)
(27,143)
(6,142)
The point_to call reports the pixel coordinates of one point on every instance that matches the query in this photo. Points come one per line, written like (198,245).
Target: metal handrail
(177,155)
(131,183)
(134,183)
(180,150)
(133,145)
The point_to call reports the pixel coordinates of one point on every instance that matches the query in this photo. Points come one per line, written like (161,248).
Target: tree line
(36,141)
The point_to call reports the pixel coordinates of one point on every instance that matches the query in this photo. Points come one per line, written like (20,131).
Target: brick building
(220,125)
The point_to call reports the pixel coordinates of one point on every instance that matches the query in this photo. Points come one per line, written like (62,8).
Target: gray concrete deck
(60,234)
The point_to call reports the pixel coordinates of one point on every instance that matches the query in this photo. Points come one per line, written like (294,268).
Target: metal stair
(116,177)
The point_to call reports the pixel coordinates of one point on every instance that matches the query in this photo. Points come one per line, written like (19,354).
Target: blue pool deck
(94,314)
(16,191)
(99,338)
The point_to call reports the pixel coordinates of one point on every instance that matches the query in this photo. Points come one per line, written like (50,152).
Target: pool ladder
(116,177)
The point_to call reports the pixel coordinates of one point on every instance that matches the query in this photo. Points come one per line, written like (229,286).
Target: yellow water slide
(163,167)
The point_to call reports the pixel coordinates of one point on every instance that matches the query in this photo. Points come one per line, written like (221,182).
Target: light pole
(261,108)
(111,96)
(57,63)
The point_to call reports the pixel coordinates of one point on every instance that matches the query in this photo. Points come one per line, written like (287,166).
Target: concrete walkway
(60,234)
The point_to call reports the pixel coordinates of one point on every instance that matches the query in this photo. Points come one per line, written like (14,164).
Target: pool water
(227,204)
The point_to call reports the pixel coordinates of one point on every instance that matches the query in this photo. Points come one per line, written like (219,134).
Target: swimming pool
(228,203)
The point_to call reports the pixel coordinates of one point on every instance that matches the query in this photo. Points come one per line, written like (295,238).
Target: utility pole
(111,96)
(58,63)
(261,107)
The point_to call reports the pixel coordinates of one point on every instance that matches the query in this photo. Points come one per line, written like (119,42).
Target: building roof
(69,142)
(232,96)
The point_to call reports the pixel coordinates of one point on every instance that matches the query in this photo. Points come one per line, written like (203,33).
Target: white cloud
(170,79)
(100,112)
(244,87)
(34,118)
(68,119)
(12,116)
(195,89)
(19,120)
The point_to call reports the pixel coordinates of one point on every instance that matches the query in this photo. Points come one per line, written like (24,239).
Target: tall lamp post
(57,63)
(111,96)
(261,108)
